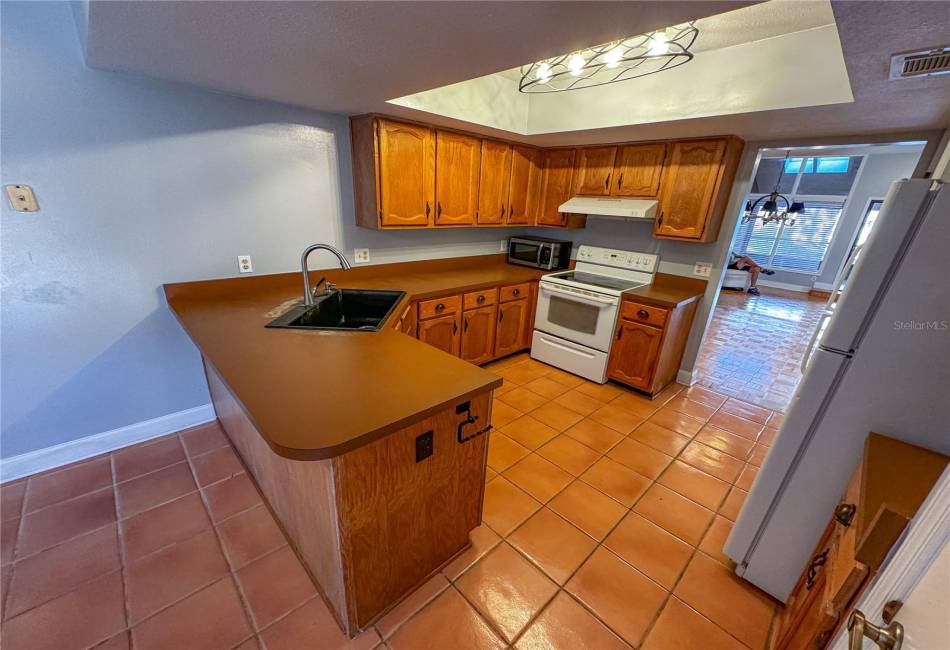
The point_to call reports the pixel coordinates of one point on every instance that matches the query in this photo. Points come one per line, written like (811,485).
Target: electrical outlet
(244,264)
(21,198)
(702,269)
(504,246)
(361,255)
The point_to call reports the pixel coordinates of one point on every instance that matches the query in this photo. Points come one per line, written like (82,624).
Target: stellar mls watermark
(922,325)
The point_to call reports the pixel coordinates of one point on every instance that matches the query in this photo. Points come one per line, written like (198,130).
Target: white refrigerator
(881,363)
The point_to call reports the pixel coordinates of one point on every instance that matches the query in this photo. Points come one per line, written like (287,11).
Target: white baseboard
(783,285)
(684,377)
(75,450)
(824,286)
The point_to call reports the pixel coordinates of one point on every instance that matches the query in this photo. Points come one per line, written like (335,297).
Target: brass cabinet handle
(480,299)
(887,638)
(643,313)
(501,212)
(438,208)
(465,328)
(619,333)
(501,316)
(620,180)
(455,327)
(511,210)
(816,563)
(844,513)
(607,182)
(439,307)
(427,209)
(659,220)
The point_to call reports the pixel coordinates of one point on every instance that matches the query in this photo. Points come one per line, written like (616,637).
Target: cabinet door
(555,186)
(406,174)
(689,186)
(638,170)
(493,182)
(593,169)
(442,332)
(512,323)
(525,187)
(478,334)
(456,178)
(634,354)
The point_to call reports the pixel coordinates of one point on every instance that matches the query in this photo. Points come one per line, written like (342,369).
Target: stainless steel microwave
(539,252)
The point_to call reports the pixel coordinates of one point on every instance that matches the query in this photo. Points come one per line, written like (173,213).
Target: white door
(926,612)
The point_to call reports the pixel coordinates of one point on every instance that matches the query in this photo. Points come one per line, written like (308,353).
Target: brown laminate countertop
(318,394)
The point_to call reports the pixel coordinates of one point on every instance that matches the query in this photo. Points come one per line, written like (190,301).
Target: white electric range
(577,310)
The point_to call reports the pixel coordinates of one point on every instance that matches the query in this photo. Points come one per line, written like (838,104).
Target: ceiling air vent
(922,63)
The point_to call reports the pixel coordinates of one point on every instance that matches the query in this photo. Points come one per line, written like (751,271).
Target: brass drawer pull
(516,292)
(480,299)
(439,307)
(643,313)
(844,513)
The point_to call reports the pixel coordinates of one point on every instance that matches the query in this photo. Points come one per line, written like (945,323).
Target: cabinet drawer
(515,292)
(639,313)
(439,307)
(484,298)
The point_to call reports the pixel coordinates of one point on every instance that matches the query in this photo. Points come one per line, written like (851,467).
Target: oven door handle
(600,302)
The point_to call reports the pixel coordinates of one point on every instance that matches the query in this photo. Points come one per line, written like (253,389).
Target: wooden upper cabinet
(555,186)
(593,170)
(458,159)
(406,159)
(494,182)
(634,354)
(638,170)
(695,187)
(525,185)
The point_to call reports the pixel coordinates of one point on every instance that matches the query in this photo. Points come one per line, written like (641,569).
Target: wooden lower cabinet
(442,332)
(478,334)
(649,343)
(511,328)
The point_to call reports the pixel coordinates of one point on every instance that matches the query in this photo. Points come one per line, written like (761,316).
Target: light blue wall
(140,183)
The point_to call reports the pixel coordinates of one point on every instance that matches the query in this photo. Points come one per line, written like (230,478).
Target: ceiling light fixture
(767,207)
(628,58)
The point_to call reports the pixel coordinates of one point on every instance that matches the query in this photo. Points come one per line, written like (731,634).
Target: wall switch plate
(702,269)
(244,264)
(360,255)
(22,198)
(424,445)
(504,246)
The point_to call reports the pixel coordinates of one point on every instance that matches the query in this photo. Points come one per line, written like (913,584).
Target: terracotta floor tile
(506,506)
(676,421)
(556,546)
(546,387)
(6,573)
(504,388)
(250,535)
(746,410)
(529,432)
(731,603)
(638,405)
(216,465)
(569,454)
(653,435)
(503,452)
(746,477)
(68,483)
(313,626)
(730,443)
(688,407)
(141,459)
(156,528)
(250,644)
(621,596)
(640,458)
(506,589)
(59,570)
(274,585)
(672,390)
(121,641)
(712,461)
(65,520)
(734,424)
(776,420)
(11,500)
(649,549)
(733,504)
(758,454)
(490,474)
(715,539)
(594,435)
(767,437)
(483,540)
(616,481)
(618,419)
(203,438)
(507,362)
(160,579)
(447,622)
(565,624)
(680,627)
(145,492)
(411,604)
(231,496)
(538,477)
(588,509)
(523,399)
(521,373)
(81,618)
(211,618)
(708,491)
(603,392)
(566,378)
(8,539)
(677,514)
(578,401)
(502,413)
(704,396)
(556,416)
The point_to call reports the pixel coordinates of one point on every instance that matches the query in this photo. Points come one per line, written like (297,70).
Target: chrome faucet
(344,263)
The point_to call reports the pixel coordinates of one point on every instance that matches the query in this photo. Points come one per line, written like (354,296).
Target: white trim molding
(784,285)
(684,377)
(75,450)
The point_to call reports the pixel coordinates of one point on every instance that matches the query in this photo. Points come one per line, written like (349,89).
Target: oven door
(577,315)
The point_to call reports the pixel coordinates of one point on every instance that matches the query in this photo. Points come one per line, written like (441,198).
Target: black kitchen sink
(363,310)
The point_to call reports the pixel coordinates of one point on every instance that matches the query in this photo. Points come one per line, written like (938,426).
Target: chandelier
(628,58)
(770,207)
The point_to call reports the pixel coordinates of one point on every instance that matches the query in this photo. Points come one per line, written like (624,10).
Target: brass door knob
(887,638)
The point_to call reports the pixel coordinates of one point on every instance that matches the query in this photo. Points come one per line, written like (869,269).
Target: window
(822,183)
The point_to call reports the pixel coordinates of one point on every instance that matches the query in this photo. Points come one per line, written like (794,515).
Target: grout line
(120,548)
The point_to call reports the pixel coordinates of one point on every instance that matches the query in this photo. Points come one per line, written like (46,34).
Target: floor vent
(922,63)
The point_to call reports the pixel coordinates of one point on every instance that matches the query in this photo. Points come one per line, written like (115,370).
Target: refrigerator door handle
(814,338)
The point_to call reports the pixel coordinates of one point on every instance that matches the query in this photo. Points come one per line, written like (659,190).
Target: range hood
(608,206)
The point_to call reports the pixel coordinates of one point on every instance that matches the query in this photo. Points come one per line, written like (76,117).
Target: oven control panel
(645,262)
